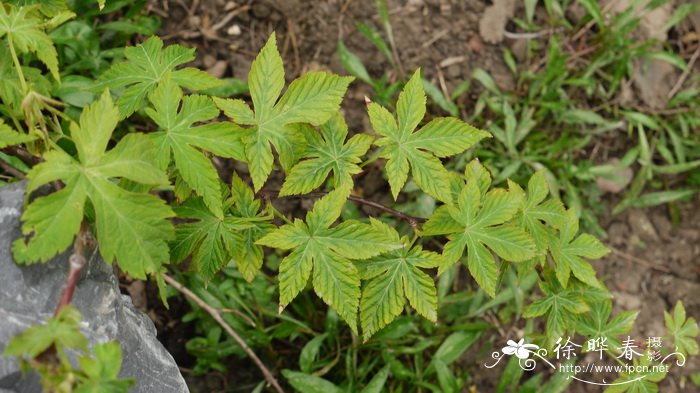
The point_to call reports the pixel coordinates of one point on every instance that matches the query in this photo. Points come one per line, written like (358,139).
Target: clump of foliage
(366,269)
(540,124)
(551,81)
(97,373)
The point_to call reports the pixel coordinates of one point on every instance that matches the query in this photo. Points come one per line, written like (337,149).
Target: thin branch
(77,262)
(413,221)
(240,314)
(216,314)
(684,75)
(640,261)
(436,37)
(12,170)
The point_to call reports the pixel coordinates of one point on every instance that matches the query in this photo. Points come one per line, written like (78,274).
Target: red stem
(77,262)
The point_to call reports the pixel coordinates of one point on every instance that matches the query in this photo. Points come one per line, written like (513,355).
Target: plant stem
(281,216)
(11,170)
(77,262)
(216,314)
(18,66)
(413,221)
(643,262)
(684,75)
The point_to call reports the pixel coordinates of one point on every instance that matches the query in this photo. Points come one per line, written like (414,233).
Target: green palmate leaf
(327,152)
(24,30)
(478,220)
(145,66)
(213,242)
(568,252)
(61,331)
(101,371)
(313,99)
(475,170)
(49,8)
(131,227)
(560,305)
(175,117)
(10,137)
(392,277)
(599,324)
(684,332)
(210,239)
(420,150)
(535,212)
(327,252)
(248,255)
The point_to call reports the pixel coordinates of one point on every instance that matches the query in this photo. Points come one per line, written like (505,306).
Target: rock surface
(28,295)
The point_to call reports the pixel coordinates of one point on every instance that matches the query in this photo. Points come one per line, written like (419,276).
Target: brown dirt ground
(655,263)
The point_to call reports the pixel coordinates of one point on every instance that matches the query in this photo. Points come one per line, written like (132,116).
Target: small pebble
(234,30)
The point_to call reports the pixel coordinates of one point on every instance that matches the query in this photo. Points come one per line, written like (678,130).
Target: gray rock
(28,296)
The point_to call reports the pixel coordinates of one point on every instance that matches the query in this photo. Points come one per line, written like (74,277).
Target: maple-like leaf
(684,332)
(101,371)
(560,305)
(61,331)
(535,212)
(24,30)
(568,252)
(599,324)
(327,153)
(145,67)
(213,242)
(209,239)
(478,220)
(393,277)
(326,251)
(248,255)
(420,150)
(175,117)
(131,227)
(312,98)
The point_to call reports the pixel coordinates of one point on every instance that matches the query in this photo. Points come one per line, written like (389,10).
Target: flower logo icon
(522,351)
(519,349)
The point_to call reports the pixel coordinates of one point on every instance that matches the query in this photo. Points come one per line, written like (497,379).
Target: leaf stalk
(18,66)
